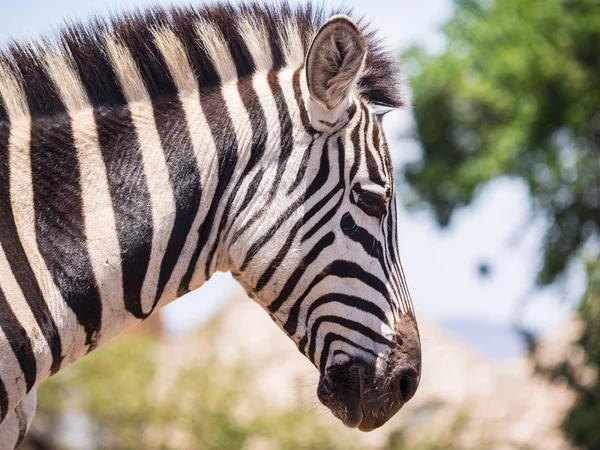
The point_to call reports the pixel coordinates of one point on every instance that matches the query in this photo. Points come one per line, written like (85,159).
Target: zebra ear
(334,62)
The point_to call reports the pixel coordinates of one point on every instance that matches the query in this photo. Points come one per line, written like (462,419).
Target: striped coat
(141,154)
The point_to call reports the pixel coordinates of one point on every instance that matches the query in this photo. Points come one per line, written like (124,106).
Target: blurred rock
(480,402)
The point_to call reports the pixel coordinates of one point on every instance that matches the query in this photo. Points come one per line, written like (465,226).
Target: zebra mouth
(340,391)
(380,405)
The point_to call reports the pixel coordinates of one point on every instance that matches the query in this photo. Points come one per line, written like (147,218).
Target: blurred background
(498,172)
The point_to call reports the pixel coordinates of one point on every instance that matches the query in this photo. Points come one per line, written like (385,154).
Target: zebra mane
(288,31)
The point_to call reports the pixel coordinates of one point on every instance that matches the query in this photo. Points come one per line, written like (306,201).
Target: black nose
(408,382)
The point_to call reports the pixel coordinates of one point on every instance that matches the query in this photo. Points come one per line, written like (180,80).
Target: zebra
(141,153)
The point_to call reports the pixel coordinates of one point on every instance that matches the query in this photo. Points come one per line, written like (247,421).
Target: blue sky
(440,265)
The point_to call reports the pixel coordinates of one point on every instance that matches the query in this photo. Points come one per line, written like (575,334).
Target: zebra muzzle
(364,397)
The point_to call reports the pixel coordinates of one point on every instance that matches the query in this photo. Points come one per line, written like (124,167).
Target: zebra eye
(372,203)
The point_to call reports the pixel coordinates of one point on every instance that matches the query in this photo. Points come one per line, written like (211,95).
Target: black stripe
(4,134)
(3,116)
(272,23)
(185,180)
(19,342)
(360,235)
(322,221)
(317,182)
(59,221)
(60,230)
(348,300)
(373,168)
(258,124)
(148,59)
(19,264)
(247,201)
(286,145)
(387,158)
(395,263)
(185,30)
(121,154)
(221,16)
(94,68)
(130,199)
(389,261)
(42,97)
(307,260)
(300,102)
(258,121)
(283,251)
(3,401)
(377,146)
(346,323)
(22,419)
(391,232)
(171,125)
(312,189)
(370,160)
(340,269)
(225,140)
(355,138)
(302,169)
(330,339)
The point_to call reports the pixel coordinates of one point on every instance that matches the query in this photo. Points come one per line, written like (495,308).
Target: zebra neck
(110,212)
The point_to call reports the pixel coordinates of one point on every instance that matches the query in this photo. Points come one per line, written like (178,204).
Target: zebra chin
(366,394)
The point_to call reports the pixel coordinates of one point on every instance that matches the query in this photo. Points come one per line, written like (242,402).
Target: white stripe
(22,311)
(216,47)
(72,335)
(9,430)
(256,37)
(11,374)
(99,217)
(177,61)
(13,96)
(202,142)
(22,415)
(380,162)
(221,58)
(293,50)
(273,143)
(156,171)
(300,136)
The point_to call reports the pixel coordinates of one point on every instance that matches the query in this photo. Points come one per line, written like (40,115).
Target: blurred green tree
(516,94)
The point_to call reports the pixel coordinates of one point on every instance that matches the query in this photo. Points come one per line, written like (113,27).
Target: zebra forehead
(252,38)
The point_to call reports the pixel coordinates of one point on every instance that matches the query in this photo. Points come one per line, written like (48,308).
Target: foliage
(517,94)
(582,422)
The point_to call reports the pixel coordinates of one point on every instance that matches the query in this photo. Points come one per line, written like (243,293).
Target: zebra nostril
(408,382)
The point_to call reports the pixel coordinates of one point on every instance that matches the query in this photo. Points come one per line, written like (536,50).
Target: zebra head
(328,270)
